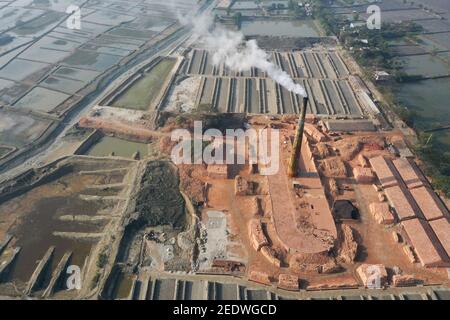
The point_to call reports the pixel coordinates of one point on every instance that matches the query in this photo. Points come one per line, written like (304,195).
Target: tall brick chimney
(296,148)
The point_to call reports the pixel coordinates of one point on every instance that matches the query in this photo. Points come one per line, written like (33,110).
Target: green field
(122,148)
(143,93)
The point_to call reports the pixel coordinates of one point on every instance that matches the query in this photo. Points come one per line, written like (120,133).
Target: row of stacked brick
(423,216)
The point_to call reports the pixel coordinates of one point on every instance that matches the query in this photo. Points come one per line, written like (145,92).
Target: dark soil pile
(159,200)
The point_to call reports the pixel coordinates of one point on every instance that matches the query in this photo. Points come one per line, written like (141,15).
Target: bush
(442,183)
(95,280)
(102,260)
(407,115)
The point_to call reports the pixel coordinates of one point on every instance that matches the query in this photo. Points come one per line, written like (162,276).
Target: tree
(291,5)
(237,19)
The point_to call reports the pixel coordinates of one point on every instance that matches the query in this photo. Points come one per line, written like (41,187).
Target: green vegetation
(329,21)
(237,17)
(371,47)
(95,280)
(221,121)
(37,24)
(143,93)
(102,260)
(120,147)
(406,115)
(374,52)
(437,163)
(277,6)
(428,149)
(401,76)
(205,108)
(296,10)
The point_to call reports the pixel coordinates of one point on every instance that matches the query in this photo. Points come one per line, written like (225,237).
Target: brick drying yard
(290,233)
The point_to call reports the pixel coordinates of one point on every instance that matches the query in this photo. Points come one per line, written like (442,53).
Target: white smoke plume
(230,48)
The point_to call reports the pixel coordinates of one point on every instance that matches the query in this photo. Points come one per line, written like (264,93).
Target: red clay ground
(303,222)
(376,244)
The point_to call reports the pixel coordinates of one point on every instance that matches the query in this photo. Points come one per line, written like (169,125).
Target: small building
(382,76)
(373,276)
(357,24)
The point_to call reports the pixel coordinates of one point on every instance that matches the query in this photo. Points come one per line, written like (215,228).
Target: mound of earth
(159,200)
